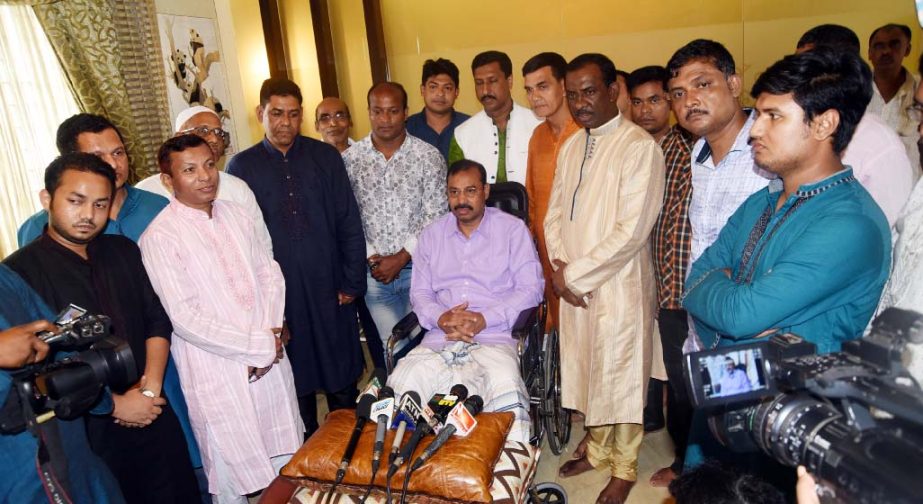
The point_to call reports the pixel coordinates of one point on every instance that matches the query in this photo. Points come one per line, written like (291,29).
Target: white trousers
(226,492)
(491,371)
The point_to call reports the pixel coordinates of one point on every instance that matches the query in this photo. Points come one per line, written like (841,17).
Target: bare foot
(663,477)
(580,452)
(616,492)
(574,467)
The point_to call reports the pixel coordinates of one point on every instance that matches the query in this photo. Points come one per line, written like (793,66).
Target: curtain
(110,52)
(34,98)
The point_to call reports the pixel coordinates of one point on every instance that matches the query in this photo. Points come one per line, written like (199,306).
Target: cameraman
(809,254)
(80,474)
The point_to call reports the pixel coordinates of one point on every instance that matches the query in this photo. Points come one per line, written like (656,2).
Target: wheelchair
(539,356)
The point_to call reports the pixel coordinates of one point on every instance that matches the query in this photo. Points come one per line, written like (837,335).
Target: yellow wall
(632,33)
(351,51)
(302,56)
(251,58)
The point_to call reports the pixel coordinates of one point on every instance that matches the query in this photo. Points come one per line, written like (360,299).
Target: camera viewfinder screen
(732,373)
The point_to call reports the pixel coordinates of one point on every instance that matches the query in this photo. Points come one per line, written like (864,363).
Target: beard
(71,237)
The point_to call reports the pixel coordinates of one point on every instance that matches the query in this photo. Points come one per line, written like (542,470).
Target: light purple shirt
(496,271)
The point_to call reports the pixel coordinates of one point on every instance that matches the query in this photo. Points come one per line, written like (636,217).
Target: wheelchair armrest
(525,322)
(405,327)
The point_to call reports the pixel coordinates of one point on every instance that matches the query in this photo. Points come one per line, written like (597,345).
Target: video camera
(68,387)
(854,418)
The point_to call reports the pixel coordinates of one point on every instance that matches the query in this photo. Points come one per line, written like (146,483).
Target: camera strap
(47,467)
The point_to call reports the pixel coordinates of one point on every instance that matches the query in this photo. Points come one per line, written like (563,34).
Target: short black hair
(488,57)
(819,80)
(831,35)
(79,161)
(643,75)
(702,49)
(465,165)
(623,74)
(605,65)
(387,84)
(278,86)
(441,66)
(75,125)
(714,483)
(553,60)
(893,26)
(177,144)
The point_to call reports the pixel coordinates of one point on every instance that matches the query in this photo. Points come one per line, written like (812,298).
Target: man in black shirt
(74,263)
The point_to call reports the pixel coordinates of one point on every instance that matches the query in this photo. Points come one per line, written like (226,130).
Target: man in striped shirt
(670,243)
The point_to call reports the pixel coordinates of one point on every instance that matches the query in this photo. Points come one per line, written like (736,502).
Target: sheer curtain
(34,98)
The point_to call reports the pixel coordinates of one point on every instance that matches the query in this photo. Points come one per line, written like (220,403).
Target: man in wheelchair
(475,269)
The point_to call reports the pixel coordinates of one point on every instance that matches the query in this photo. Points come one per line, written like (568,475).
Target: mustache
(85,222)
(583,111)
(488,97)
(695,111)
(461,206)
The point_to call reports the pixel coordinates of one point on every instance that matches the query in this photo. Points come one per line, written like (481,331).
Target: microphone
(381,413)
(407,413)
(363,411)
(459,420)
(433,415)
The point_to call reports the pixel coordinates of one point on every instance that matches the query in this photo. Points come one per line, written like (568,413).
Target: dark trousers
(150,463)
(674,328)
(341,399)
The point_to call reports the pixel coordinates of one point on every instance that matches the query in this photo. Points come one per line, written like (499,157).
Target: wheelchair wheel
(547,493)
(557,419)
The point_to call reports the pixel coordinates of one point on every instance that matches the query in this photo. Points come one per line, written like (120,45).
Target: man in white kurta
(607,193)
(225,297)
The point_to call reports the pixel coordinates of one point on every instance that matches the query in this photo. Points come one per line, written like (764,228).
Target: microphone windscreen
(364,408)
(460,391)
(385,392)
(474,404)
(414,395)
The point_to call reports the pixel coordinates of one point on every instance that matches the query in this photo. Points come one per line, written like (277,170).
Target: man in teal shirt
(132,209)
(809,254)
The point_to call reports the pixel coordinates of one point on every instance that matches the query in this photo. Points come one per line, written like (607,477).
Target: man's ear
(613,91)
(167,182)
(259,113)
(45,197)
(735,85)
(825,125)
(486,192)
(509,81)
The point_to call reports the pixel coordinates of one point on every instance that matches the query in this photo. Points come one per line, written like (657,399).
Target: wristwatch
(148,393)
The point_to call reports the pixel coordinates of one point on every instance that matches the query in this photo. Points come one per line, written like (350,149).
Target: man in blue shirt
(80,474)
(436,123)
(809,254)
(132,209)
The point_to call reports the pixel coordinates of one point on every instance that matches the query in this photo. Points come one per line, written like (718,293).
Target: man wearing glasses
(205,123)
(332,121)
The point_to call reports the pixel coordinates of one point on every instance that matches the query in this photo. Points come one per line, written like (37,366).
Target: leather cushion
(462,470)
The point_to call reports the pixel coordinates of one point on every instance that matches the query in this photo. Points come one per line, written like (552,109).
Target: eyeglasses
(203,131)
(915,112)
(329,118)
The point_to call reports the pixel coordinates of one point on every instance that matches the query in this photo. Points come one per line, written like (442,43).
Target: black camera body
(854,418)
(69,387)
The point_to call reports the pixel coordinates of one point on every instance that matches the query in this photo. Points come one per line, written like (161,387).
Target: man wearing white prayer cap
(205,122)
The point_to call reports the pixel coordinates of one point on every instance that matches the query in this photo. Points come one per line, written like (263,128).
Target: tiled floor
(656,452)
